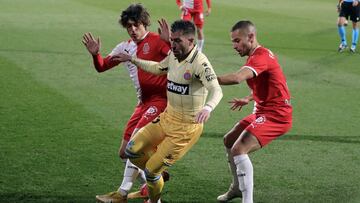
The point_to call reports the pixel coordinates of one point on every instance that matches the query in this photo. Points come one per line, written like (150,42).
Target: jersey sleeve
(257,63)
(120,48)
(157,68)
(102,64)
(207,76)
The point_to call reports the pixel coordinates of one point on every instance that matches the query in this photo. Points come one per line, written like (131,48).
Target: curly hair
(136,13)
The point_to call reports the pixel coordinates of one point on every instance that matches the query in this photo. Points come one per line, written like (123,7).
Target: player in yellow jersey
(193,92)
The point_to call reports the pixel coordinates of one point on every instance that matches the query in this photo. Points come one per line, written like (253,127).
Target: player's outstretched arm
(157,68)
(236,78)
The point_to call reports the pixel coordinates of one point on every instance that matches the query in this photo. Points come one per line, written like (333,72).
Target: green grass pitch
(61,121)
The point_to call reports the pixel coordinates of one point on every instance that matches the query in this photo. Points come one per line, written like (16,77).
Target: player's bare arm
(92,45)
(236,78)
(208,11)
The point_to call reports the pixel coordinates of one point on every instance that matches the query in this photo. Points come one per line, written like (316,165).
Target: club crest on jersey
(177,88)
(258,121)
(187,75)
(146,48)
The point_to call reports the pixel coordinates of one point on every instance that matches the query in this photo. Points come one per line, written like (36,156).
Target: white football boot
(232,193)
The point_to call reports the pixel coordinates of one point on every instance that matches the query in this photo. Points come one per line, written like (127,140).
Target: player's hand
(182,8)
(208,11)
(238,103)
(202,116)
(119,58)
(164,30)
(92,45)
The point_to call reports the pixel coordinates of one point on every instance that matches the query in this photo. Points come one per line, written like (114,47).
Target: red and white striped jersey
(148,86)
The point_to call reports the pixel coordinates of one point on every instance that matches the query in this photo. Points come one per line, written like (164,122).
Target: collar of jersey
(143,37)
(255,50)
(188,58)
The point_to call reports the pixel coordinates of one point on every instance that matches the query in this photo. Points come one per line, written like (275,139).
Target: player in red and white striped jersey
(151,89)
(193,10)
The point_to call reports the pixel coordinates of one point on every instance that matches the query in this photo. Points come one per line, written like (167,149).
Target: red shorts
(197,16)
(265,127)
(143,114)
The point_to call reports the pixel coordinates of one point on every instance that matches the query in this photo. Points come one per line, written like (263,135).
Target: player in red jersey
(273,113)
(151,89)
(193,10)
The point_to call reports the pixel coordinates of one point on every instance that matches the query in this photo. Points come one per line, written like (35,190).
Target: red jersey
(147,85)
(269,86)
(194,5)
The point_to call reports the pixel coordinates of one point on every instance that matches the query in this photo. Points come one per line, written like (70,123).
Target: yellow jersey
(188,83)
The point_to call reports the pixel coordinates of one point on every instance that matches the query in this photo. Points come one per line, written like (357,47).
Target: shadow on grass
(53,198)
(42,198)
(317,138)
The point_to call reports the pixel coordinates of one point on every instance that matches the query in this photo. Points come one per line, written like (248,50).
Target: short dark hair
(243,25)
(186,27)
(136,13)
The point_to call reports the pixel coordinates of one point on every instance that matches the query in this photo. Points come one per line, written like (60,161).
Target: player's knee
(130,152)
(238,149)
(152,176)
(227,142)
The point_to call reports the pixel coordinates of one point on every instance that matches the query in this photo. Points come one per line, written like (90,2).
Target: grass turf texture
(61,122)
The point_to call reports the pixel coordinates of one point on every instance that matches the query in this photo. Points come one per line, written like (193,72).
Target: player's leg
(343,15)
(259,133)
(199,23)
(342,33)
(179,139)
(130,173)
(355,17)
(229,140)
(245,144)
(143,144)
(150,111)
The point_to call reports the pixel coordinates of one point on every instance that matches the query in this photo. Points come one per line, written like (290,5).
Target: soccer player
(348,8)
(273,113)
(150,88)
(193,10)
(193,92)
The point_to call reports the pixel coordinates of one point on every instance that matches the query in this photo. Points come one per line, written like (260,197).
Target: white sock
(232,167)
(130,174)
(244,170)
(141,177)
(200,44)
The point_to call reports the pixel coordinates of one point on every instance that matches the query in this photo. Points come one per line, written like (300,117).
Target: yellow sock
(155,189)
